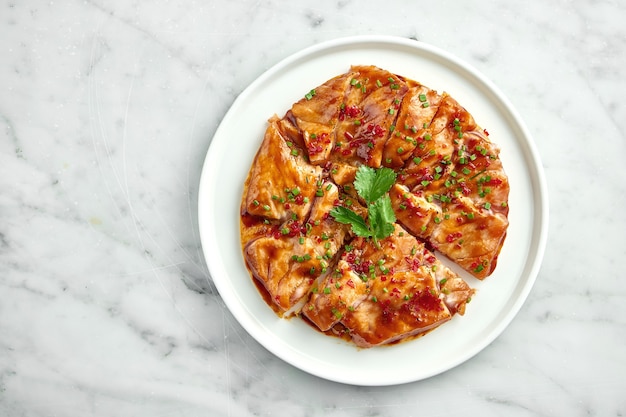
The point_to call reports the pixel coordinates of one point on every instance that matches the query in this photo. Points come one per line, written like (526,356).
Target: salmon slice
(471,237)
(370,108)
(289,259)
(315,117)
(281,182)
(454,194)
(418,108)
(380,294)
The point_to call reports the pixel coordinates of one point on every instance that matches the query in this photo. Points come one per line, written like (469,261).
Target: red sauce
(316,144)
(352,111)
(494,182)
(414,264)
(376,130)
(249,220)
(349,111)
(266,295)
(453,236)
(428,301)
(387,312)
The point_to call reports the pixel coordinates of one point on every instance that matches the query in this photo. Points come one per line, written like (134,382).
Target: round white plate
(498,298)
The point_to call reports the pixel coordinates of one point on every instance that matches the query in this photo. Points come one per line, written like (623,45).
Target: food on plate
(362,201)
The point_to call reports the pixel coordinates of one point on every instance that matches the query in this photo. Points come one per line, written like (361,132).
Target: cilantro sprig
(373,186)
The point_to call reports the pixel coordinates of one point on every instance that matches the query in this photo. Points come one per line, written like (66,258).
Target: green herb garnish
(373,186)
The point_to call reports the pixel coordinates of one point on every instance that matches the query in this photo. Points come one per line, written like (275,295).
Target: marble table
(107,110)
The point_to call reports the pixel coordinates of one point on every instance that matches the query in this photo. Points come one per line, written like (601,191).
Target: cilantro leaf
(363,181)
(381,217)
(371,184)
(347,216)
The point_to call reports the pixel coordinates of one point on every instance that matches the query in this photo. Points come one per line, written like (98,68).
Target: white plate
(498,298)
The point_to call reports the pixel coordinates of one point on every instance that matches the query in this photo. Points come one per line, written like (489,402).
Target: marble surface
(107,109)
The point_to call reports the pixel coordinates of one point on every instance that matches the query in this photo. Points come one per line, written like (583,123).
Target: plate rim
(537,179)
